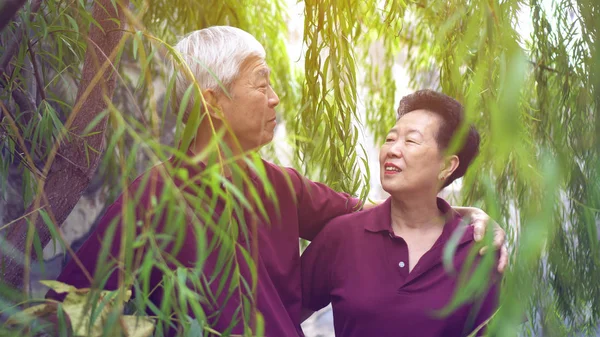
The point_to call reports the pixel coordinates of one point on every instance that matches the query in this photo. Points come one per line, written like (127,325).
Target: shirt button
(401,264)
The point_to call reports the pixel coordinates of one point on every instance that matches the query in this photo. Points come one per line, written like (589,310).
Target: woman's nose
(395,150)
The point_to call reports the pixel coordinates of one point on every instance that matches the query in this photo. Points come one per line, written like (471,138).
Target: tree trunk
(9,10)
(72,170)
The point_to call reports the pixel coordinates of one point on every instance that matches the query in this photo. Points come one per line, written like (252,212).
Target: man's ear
(213,107)
(451,164)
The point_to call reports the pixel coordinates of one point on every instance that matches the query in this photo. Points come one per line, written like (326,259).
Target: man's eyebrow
(393,130)
(263,72)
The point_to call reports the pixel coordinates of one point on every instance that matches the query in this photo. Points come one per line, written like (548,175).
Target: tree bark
(9,10)
(71,172)
(21,97)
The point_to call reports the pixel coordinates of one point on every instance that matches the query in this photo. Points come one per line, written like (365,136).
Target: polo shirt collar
(185,163)
(383,218)
(384,221)
(197,168)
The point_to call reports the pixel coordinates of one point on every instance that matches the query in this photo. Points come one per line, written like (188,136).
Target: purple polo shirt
(303,208)
(359,265)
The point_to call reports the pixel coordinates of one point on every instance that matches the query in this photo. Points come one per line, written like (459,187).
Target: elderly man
(239,103)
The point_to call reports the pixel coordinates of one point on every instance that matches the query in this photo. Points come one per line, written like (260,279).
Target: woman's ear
(452,163)
(213,108)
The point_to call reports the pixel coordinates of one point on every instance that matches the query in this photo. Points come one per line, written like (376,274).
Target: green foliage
(534,99)
(84,313)
(328,107)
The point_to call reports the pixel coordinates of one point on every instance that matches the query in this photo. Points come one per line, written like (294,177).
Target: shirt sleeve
(488,307)
(317,263)
(318,203)
(488,303)
(89,254)
(100,254)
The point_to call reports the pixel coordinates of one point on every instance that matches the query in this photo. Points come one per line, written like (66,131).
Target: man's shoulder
(150,182)
(151,178)
(282,176)
(279,170)
(291,177)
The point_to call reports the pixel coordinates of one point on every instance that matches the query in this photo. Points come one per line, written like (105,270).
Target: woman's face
(410,159)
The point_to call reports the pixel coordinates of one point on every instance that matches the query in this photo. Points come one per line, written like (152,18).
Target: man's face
(410,159)
(250,110)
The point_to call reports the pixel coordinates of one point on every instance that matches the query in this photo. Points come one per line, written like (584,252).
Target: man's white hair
(214,56)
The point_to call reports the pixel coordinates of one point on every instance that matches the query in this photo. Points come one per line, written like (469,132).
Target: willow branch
(65,182)
(542,66)
(36,71)
(9,52)
(5,11)
(25,101)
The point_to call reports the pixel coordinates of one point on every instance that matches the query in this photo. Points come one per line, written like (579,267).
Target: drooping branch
(21,97)
(25,102)
(36,71)
(11,50)
(27,105)
(8,54)
(542,66)
(71,164)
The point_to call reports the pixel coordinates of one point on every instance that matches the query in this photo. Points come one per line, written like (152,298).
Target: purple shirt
(304,207)
(359,265)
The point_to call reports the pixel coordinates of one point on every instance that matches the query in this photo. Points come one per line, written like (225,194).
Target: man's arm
(317,268)
(317,204)
(82,275)
(99,255)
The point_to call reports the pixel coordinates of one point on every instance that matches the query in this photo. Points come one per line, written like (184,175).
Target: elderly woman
(382,268)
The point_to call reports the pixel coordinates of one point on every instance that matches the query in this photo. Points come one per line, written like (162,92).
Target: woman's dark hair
(452,113)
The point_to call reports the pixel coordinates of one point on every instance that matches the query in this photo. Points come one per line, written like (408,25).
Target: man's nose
(273,99)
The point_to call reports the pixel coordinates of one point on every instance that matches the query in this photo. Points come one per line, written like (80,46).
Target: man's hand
(480,220)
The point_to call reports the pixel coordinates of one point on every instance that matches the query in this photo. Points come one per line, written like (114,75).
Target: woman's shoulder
(353,224)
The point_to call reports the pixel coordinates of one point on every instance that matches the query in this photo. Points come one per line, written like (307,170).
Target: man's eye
(387,140)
